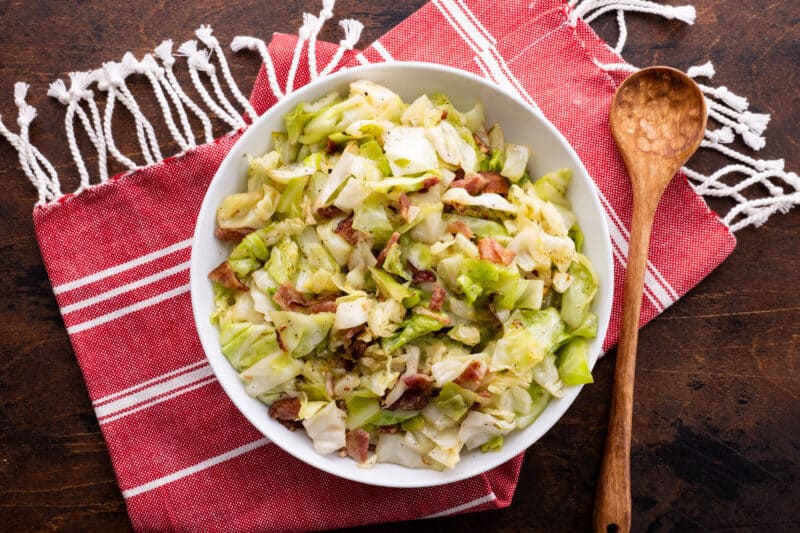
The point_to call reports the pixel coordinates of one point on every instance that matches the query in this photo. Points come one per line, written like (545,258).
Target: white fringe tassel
(728,110)
(589,10)
(164,52)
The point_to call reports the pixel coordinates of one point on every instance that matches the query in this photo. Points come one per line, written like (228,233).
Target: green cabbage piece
(418,255)
(300,333)
(249,254)
(270,373)
(492,445)
(247,209)
(372,150)
(387,417)
(539,400)
(577,299)
(479,226)
(362,407)
(259,168)
(573,363)
(291,200)
(413,424)
(394,263)
(335,118)
(455,401)
(283,260)
(287,150)
(527,337)
(416,327)
(390,287)
(371,218)
(245,343)
(515,162)
(552,187)
(576,235)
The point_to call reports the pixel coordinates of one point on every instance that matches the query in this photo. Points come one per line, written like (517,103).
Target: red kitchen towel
(117,256)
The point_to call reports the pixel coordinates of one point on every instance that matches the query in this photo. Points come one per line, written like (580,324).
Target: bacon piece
(388,429)
(473,184)
(437,298)
(328,212)
(495,182)
(427,183)
(354,331)
(330,146)
(232,234)
(459,226)
(346,231)
(490,250)
(422,276)
(417,394)
(288,298)
(357,349)
(357,444)
(327,306)
(392,241)
(226,277)
(285,409)
(472,376)
(405,203)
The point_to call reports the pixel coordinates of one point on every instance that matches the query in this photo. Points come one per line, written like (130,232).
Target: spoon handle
(612,512)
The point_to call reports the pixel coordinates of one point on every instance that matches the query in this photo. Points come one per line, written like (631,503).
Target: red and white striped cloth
(117,256)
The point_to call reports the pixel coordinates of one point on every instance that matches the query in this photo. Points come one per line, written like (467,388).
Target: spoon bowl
(658,118)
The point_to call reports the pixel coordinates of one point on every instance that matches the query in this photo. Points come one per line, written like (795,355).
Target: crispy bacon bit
(445,112)
(328,306)
(482,140)
(427,183)
(226,277)
(490,250)
(357,349)
(417,394)
(357,444)
(422,276)
(392,241)
(346,231)
(354,331)
(444,319)
(484,181)
(330,146)
(417,381)
(388,429)
(496,183)
(459,226)
(437,298)
(285,409)
(232,234)
(288,298)
(473,184)
(472,376)
(405,203)
(328,212)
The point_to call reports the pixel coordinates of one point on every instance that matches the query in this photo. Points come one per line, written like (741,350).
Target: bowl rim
(211,345)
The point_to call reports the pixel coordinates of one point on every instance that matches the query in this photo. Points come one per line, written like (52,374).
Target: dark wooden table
(717,417)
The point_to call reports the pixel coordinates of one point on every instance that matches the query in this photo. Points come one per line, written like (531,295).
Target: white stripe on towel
(199,467)
(177,291)
(133,263)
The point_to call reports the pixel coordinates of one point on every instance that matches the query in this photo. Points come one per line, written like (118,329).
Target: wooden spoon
(658,117)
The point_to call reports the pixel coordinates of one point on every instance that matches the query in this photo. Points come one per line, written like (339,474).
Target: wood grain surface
(716,431)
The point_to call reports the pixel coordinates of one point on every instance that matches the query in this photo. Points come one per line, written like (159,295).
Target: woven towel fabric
(117,257)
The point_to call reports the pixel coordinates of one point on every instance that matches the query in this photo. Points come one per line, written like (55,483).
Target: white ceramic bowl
(521,124)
